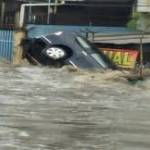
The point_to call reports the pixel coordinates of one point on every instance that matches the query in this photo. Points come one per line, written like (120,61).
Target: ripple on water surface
(63,109)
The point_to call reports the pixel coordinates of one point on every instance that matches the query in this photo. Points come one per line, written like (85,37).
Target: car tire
(56,53)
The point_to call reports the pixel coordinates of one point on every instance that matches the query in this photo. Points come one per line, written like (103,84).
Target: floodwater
(63,109)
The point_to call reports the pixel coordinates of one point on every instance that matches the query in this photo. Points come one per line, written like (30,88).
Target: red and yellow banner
(121,57)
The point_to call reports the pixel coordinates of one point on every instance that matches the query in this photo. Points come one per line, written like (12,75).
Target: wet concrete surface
(55,109)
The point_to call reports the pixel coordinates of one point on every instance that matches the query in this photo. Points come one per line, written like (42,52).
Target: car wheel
(56,53)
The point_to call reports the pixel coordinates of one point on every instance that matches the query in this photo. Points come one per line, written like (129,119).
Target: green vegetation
(139,21)
(133,22)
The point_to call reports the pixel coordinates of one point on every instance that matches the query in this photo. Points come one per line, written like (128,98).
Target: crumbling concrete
(19,35)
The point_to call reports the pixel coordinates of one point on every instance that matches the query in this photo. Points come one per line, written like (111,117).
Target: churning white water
(58,109)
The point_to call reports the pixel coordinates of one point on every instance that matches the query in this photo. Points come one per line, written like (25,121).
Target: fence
(6,45)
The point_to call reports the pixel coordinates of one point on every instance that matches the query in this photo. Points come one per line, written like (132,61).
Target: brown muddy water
(58,109)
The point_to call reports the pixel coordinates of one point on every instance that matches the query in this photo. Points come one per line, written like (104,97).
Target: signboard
(122,58)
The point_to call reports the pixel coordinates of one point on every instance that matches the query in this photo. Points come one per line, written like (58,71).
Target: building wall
(92,12)
(143,6)
(8,10)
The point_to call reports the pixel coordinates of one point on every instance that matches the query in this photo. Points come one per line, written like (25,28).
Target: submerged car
(63,48)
